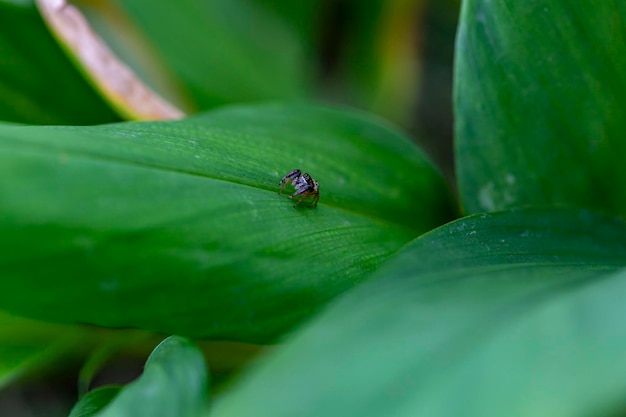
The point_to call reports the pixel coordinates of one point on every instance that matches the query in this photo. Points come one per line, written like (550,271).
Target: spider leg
(293,174)
(296,173)
(316,198)
(300,191)
(304,195)
(283,184)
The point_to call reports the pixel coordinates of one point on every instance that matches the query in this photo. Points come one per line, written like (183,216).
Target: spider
(305,186)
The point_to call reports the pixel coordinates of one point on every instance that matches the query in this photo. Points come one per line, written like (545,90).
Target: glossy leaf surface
(516,312)
(173,384)
(94,401)
(178,227)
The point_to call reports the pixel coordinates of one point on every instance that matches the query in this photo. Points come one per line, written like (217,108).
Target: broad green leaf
(541,104)
(221,51)
(177,226)
(173,384)
(38,84)
(514,313)
(94,401)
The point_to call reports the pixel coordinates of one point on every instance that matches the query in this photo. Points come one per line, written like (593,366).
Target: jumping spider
(305,186)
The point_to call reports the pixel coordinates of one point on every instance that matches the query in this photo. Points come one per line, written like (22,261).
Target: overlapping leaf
(177,226)
(94,401)
(540,99)
(511,313)
(173,384)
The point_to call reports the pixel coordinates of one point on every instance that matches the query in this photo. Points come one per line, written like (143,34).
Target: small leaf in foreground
(173,384)
(514,313)
(94,401)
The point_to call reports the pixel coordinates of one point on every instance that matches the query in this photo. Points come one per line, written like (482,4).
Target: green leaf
(178,227)
(173,384)
(94,401)
(221,51)
(518,312)
(540,106)
(38,84)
